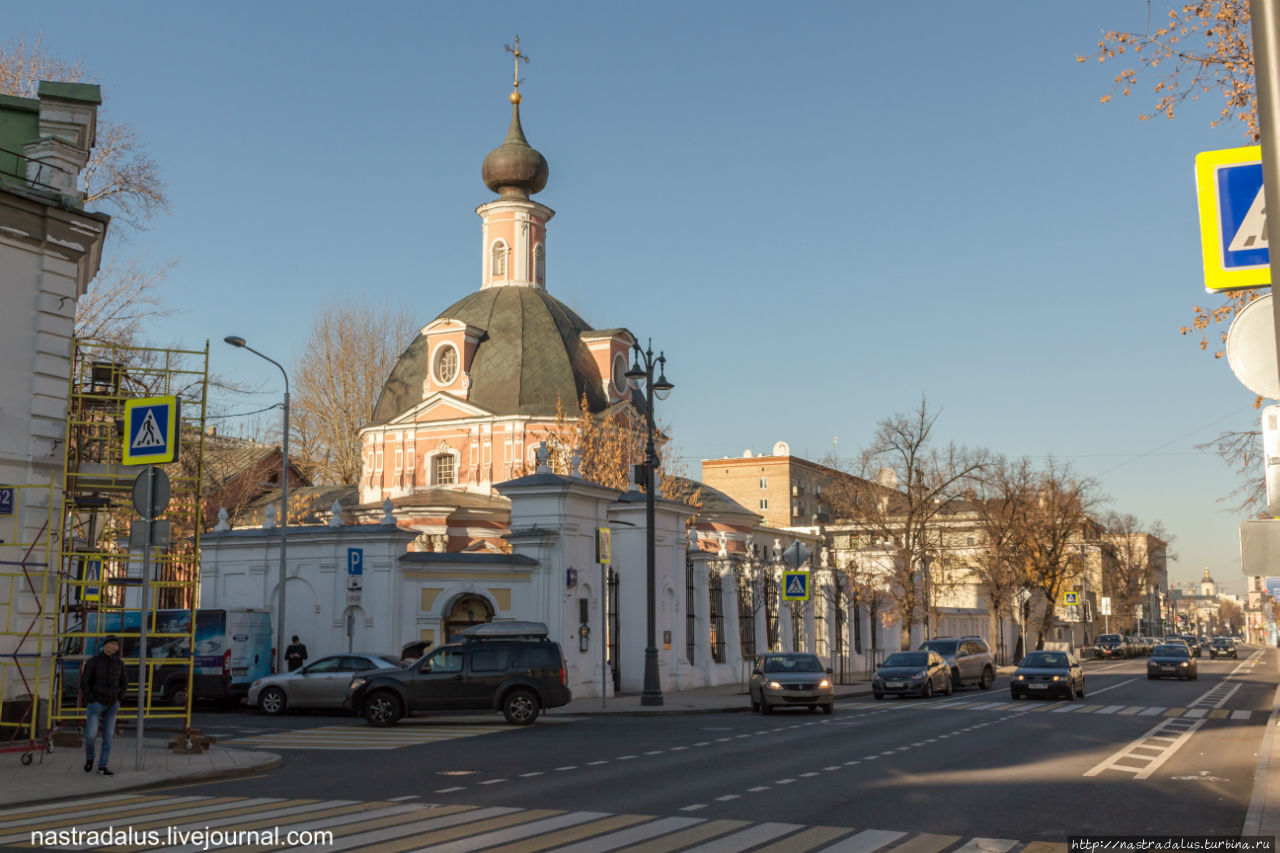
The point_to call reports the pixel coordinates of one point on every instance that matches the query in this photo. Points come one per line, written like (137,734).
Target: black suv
(1223,646)
(507,666)
(969,659)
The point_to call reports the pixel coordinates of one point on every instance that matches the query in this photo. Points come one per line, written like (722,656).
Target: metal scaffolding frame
(100,574)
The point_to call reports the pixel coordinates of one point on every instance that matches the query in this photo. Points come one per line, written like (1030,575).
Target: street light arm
(273,361)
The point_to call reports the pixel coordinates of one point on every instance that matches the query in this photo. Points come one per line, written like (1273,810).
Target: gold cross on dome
(518,56)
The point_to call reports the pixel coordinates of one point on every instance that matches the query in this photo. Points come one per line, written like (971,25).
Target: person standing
(295,654)
(102,683)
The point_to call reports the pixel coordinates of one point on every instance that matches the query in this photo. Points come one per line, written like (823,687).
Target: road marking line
(449,790)
(534,773)
(1240,715)
(784,781)
(568,767)
(727,797)
(1219,714)
(492,781)
(596,763)
(986,845)
(694,807)
(1129,752)
(867,841)
(758,788)
(744,840)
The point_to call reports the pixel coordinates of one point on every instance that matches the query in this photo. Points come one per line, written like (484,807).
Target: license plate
(894,684)
(239,670)
(1038,686)
(1168,669)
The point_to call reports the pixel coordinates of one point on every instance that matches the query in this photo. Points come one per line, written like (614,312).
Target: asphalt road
(1135,757)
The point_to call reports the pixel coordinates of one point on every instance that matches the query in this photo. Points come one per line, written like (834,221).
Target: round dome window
(620,373)
(446,364)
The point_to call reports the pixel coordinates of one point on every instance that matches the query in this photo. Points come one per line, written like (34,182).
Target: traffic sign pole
(1265,25)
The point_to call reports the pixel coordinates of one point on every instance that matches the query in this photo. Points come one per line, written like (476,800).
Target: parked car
(1222,647)
(1149,645)
(319,684)
(919,672)
(1044,673)
(1111,646)
(969,659)
(782,679)
(1193,643)
(508,666)
(1172,660)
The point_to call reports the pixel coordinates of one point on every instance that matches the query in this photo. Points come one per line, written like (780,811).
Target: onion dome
(515,169)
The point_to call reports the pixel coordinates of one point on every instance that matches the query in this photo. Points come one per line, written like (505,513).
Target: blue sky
(818,211)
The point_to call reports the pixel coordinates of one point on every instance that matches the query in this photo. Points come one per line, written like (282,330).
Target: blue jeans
(107,715)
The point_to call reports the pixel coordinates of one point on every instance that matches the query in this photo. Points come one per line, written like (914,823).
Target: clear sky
(819,211)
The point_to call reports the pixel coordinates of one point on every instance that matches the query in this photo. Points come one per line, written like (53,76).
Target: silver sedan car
(321,684)
(782,679)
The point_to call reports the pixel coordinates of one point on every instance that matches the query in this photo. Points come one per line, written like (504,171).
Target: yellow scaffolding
(28,523)
(100,574)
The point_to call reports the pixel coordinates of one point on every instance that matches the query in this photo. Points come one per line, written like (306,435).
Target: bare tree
(900,486)
(336,379)
(1139,550)
(1062,506)
(1002,500)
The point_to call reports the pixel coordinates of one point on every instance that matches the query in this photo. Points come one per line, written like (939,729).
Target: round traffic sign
(159,492)
(1251,348)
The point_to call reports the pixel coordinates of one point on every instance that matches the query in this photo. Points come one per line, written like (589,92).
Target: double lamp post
(642,372)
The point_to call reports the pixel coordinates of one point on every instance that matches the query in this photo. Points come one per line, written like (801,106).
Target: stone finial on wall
(269,518)
(693,538)
(632,485)
(543,454)
(575,462)
(335,517)
(222,521)
(724,544)
(387,517)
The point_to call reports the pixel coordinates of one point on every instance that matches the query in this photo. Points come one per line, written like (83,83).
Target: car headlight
(1059,678)
(824,683)
(1185,663)
(916,676)
(773,685)
(1020,677)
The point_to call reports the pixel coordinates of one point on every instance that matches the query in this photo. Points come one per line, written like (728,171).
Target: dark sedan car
(1048,674)
(1172,660)
(1221,647)
(1112,646)
(921,673)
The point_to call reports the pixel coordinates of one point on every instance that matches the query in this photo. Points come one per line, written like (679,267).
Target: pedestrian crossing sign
(1233,219)
(151,431)
(1070,598)
(795,586)
(92,580)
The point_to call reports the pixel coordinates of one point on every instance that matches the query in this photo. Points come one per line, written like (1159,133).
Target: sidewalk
(60,774)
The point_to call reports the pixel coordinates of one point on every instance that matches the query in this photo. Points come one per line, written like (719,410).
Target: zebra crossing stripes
(1195,710)
(265,824)
(360,737)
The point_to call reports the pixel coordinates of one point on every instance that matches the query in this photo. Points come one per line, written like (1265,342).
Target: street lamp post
(284,498)
(652,694)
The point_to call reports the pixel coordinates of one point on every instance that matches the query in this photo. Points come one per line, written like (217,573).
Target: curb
(1258,801)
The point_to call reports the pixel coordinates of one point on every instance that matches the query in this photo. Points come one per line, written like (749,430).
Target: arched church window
(539,264)
(498,264)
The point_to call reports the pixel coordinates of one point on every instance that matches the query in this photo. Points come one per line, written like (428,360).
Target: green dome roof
(530,357)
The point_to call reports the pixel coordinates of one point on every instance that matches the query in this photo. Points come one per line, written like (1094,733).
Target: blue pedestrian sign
(6,500)
(355,561)
(795,585)
(1233,219)
(150,431)
(92,578)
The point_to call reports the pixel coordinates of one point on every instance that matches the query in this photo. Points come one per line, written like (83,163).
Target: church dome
(530,356)
(515,169)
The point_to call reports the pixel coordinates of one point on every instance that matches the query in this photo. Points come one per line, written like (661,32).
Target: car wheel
(520,707)
(951,687)
(382,709)
(1013,694)
(177,695)
(1081,693)
(955,680)
(272,701)
(829,708)
(988,678)
(926,692)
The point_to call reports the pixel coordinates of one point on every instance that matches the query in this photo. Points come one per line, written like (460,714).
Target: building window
(446,364)
(764,503)
(442,469)
(619,374)
(410,458)
(717,618)
(764,482)
(498,262)
(539,264)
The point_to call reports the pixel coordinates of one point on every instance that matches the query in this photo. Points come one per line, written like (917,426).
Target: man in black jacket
(295,654)
(102,683)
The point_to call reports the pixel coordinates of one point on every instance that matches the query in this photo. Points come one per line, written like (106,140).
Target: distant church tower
(1208,588)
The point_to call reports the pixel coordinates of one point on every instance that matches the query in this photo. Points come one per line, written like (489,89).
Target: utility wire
(242,414)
